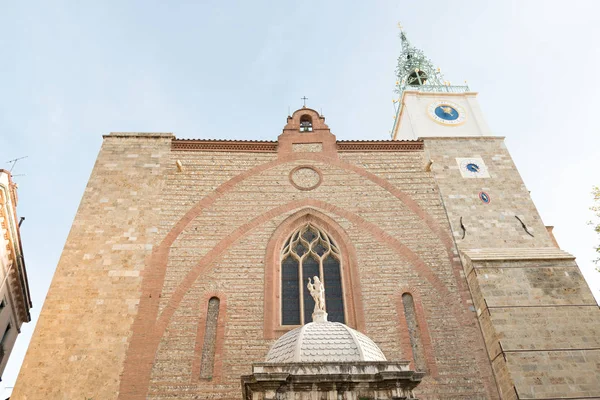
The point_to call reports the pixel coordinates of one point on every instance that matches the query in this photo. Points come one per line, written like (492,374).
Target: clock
(446,113)
(473,167)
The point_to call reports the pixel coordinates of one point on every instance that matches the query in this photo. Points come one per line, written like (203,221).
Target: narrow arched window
(310,252)
(306,123)
(207,362)
(414,332)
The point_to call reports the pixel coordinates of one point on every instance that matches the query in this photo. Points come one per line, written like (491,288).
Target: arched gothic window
(310,252)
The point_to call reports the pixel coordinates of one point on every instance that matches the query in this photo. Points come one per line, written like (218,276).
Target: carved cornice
(373,379)
(271,146)
(224,145)
(383,145)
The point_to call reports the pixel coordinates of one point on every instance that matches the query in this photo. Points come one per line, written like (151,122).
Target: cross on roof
(304,98)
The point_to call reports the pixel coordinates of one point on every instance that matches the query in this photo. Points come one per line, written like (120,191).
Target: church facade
(188,259)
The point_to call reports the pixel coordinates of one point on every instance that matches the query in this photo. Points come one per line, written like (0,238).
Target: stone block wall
(487,225)
(78,347)
(541,326)
(538,316)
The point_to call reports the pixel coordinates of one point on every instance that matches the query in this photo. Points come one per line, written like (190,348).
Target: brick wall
(394,246)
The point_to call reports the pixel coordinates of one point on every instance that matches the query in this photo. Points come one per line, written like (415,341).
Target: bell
(417,78)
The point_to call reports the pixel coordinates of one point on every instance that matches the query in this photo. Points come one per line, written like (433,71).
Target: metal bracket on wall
(524,226)
(463,228)
(500,353)
(502,350)
(488,308)
(428,166)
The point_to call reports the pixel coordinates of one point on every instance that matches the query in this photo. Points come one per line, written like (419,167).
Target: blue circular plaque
(472,167)
(446,112)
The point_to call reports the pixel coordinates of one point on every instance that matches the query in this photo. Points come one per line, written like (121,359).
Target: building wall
(165,225)
(151,244)
(541,326)
(79,343)
(7,316)
(415,120)
(395,250)
(487,225)
(538,316)
(14,291)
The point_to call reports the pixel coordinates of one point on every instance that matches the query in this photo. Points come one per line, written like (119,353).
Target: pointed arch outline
(150,323)
(352,294)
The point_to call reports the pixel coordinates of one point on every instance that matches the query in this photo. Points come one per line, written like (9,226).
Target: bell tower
(427,103)
(536,312)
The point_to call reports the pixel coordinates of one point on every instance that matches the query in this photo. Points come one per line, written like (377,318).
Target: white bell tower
(428,105)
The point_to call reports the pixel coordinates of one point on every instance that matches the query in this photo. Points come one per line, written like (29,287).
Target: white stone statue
(317,291)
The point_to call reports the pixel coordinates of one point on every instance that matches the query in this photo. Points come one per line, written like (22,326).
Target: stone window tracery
(309,252)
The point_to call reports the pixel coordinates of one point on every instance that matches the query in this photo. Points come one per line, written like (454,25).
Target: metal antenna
(14,161)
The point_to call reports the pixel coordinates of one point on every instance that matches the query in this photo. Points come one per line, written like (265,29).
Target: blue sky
(72,71)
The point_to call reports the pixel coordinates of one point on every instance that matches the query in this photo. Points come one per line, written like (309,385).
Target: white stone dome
(324,342)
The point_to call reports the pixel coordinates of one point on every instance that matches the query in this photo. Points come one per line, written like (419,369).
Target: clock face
(473,167)
(446,112)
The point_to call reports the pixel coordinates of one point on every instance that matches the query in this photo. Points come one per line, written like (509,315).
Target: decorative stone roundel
(305,177)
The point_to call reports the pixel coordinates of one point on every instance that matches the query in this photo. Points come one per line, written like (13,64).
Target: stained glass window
(290,310)
(307,253)
(333,294)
